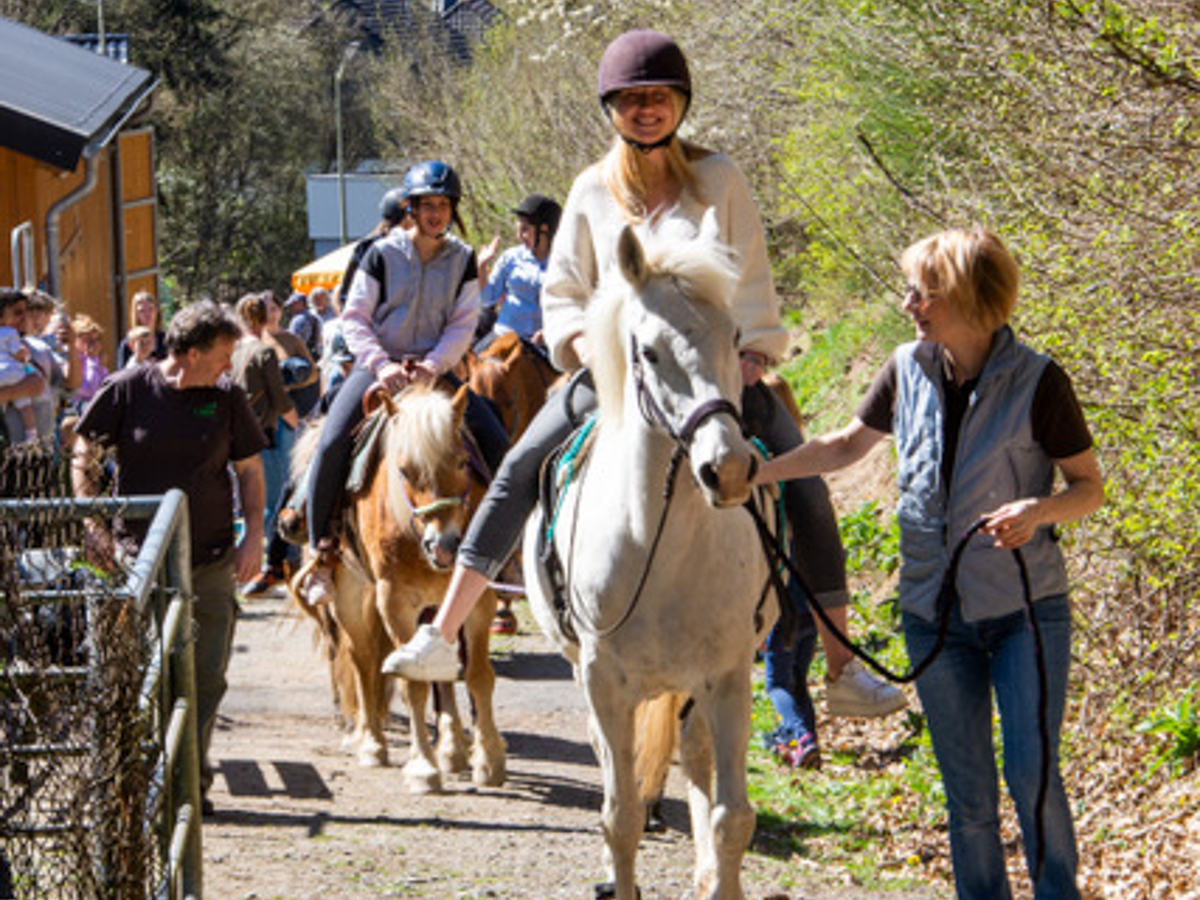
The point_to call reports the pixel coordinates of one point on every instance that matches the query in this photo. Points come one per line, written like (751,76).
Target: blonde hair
(625,168)
(137,298)
(972,268)
(137,332)
(84,324)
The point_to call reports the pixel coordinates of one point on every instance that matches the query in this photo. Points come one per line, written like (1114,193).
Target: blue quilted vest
(997,461)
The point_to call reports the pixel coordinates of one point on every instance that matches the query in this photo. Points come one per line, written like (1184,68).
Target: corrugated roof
(56,99)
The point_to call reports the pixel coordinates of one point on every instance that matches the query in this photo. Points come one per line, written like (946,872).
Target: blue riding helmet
(432,178)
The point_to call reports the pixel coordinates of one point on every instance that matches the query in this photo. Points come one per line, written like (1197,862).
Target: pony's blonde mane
(705,271)
(423,433)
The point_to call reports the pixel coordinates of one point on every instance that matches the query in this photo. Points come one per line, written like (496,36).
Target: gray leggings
(498,524)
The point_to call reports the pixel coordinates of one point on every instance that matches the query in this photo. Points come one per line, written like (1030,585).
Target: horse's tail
(657,734)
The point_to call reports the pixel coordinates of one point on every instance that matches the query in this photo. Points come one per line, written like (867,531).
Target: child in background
(88,335)
(140,340)
(15,357)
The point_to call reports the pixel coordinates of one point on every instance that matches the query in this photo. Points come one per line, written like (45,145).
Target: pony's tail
(657,735)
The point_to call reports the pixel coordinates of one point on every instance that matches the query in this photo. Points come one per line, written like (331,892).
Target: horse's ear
(459,402)
(710,229)
(514,353)
(376,396)
(631,257)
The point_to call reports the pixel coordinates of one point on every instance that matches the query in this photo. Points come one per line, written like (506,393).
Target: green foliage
(871,537)
(1181,725)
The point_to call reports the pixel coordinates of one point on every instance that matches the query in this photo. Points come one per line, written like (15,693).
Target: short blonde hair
(84,324)
(137,333)
(972,268)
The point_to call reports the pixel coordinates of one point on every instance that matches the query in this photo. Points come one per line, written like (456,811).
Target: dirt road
(297,818)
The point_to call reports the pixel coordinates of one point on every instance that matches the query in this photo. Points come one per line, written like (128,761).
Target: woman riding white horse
(649,174)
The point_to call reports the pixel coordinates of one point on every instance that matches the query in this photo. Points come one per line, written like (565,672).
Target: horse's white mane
(423,434)
(706,271)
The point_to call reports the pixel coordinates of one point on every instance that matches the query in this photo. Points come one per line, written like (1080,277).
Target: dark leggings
(327,475)
(497,525)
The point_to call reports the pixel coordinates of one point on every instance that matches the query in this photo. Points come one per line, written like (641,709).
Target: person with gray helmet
(650,173)
(409,318)
(512,288)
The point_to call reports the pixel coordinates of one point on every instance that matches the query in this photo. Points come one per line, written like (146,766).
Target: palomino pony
(662,578)
(400,534)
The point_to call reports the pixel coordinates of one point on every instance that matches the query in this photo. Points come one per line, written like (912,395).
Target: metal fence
(99,767)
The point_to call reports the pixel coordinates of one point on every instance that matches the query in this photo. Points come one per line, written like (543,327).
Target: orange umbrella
(325,272)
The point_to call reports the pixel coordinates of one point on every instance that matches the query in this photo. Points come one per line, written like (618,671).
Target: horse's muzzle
(440,546)
(727,482)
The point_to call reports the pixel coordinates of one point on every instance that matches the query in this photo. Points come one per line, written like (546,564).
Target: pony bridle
(420,513)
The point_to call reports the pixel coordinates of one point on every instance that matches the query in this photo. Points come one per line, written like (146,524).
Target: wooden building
(77,186)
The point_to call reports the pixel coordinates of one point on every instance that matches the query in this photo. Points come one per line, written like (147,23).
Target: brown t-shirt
(167,437)
(1056,417)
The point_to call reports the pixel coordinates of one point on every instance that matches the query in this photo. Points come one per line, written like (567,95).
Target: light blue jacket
(517,280)
(997,461)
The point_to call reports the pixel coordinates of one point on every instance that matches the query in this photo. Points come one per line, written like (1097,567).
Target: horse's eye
(650,355)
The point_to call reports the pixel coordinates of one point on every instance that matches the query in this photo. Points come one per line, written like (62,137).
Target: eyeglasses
(914,292)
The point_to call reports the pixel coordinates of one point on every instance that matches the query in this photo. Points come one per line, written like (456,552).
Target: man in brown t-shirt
(180,424)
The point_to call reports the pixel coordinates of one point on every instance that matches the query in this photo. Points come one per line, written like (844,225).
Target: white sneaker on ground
(318,586)
(859,693)
(426,657)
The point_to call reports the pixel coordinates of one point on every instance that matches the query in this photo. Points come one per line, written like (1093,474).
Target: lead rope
(946,597)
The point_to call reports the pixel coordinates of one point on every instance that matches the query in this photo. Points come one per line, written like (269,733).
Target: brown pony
(401,532)
(515,378)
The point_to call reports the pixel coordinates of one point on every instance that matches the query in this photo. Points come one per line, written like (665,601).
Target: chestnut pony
(400,534)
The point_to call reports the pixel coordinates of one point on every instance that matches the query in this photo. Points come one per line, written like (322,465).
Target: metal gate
(99,767)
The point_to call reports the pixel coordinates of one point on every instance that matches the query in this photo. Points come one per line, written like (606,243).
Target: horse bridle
(653,414)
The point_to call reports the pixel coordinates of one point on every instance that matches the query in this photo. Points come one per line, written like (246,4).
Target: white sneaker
(859,693)
(318,586)
(427,657)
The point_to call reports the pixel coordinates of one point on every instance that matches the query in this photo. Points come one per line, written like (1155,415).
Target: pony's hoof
(372,755)
(422,778)
(453,761)
(489,775)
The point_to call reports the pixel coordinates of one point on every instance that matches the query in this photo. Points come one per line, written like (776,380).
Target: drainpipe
(91,176)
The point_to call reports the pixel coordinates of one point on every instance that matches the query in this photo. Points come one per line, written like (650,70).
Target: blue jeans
(276,460)
(998,655)
(785,674)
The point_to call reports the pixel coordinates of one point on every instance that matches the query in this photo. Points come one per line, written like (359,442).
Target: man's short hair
(10,297)
(200,325)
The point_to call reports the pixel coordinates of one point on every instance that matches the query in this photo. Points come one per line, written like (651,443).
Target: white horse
(663,594)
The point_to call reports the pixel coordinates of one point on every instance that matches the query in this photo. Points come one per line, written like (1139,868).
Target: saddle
(363,458)
(558,471)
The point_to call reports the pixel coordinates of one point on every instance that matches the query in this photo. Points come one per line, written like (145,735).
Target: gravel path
(297,818)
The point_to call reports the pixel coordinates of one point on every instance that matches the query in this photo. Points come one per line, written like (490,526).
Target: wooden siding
(93,263)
